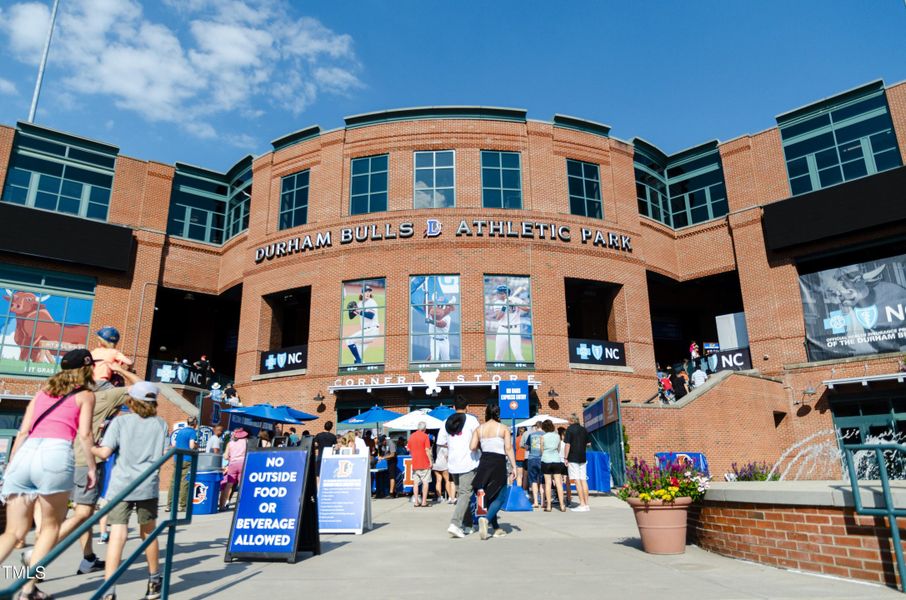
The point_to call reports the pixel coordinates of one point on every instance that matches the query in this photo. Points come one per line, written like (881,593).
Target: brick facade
(755,175)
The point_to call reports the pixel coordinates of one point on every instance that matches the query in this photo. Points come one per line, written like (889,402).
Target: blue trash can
(205,499)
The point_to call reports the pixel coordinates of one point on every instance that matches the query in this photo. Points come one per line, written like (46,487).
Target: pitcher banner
(855,310)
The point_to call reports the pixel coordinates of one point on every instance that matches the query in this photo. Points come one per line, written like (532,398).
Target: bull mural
(39,336)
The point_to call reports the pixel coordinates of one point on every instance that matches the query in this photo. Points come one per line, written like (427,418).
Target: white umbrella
(410,421)
(541,419)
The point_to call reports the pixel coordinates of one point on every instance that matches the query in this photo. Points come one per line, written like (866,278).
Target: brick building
(341,269)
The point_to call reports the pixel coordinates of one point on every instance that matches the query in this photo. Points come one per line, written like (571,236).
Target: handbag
(53,407)
(516,499)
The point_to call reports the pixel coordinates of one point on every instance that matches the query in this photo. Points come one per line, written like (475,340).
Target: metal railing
(169,523)
(888,510)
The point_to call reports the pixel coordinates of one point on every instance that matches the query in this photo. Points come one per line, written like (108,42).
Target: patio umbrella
(441,412)
(296,414)
(541,419)
(370,419)
(410,422)
(264,412)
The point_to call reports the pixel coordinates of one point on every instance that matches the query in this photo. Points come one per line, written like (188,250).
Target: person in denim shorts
(42,464)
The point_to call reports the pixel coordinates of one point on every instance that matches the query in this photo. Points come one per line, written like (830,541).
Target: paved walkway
(409,555)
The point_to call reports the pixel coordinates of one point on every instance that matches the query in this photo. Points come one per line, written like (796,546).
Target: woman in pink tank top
(41,463)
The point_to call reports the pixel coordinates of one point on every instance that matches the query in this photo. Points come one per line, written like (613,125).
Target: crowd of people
(470,464)
(675,381)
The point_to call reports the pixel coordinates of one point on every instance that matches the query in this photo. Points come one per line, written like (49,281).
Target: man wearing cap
(140,439)
(107,404)
(507,311)
(106,356)
(185,438)
(366,308)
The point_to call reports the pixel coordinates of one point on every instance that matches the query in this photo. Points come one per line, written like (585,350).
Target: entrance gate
(605,427)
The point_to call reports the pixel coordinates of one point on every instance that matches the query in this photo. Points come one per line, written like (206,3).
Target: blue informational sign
(267,516)
(344,494)
(514,399)
(693,459)
(603,411)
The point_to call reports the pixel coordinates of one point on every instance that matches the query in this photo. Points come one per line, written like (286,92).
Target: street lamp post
(34,98)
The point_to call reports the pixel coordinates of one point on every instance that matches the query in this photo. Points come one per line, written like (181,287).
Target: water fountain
(818,456)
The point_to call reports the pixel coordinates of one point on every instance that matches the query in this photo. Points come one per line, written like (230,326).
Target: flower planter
(662,525)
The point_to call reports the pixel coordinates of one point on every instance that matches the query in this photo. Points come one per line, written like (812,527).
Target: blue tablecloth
(598,471)
(697,459)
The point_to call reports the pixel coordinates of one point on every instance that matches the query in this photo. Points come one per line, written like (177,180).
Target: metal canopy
(864,380)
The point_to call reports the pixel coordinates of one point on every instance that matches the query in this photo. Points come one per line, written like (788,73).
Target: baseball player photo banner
(363,326)
(855,310)
(508,322)
(435,332)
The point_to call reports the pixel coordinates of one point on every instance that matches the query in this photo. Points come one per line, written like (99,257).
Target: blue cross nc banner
(514,399)
(268,512)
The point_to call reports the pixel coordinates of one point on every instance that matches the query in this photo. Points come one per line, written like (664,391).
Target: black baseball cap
(76,359)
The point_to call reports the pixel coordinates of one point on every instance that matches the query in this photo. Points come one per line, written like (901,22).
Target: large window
(363,318)
(696,188)
(239,202)
(584,189)
(435,332)
(508,322)
(369,185)
(435,179)
(55,172)
(501,179)
(43,315)
(651,184)
(197,208)
(840,140)
(294,200)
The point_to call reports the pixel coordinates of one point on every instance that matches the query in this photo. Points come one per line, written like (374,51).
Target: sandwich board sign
(276,515)
(344,495)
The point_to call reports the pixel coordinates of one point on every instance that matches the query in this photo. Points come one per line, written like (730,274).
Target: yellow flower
(667,498)
(644,497)
(673,489)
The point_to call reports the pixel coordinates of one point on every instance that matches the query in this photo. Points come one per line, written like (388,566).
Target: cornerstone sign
(361,234)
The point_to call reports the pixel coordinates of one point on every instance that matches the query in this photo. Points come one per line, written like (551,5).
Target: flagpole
(34,98)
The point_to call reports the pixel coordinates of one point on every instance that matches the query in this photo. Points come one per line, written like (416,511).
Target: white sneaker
(499,533)
(483,528)
(455,531)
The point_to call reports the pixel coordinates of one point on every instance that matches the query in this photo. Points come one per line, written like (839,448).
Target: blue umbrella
(370,419)
(264,412)
(441,412)
(296,414)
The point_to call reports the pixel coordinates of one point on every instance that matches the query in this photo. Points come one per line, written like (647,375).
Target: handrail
(171,522)
(888,510)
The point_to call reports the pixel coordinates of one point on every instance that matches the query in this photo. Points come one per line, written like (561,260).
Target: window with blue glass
(840,139)
(60,173)
(435,179)
(198,208)
(584,189)
(501,179)
(239,202)
(368,191)
(294,200)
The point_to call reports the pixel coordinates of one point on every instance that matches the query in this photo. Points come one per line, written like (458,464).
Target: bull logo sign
(39,335)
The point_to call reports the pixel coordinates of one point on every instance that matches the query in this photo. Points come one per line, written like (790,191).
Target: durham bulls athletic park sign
(474,228)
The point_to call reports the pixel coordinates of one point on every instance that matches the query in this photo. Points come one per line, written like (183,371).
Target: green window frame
(844,138)
(584,184)
(368,185)
(501,179)
(434,180)
(198,208)
(56,173)
(294,199)
(239,203)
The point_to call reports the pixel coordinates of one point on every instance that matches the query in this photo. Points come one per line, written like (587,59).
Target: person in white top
(507,311)
(462,462)
(360,446)
(699,377)
(367,309)
(439,318)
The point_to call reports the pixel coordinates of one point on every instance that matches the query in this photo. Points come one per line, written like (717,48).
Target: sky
(207,82)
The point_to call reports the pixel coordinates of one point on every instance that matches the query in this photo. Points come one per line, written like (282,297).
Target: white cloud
(216,57)
(26,26)
(8,88)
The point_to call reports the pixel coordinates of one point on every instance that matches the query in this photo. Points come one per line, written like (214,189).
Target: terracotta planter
(662,525)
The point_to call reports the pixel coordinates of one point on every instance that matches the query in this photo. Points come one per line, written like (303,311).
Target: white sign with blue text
(344,494)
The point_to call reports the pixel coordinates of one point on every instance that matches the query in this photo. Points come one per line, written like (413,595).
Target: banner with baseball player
(363,325)
(508,322)
(856,309)
(435,332)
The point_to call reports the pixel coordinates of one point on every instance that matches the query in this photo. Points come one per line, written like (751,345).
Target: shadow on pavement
(630,543)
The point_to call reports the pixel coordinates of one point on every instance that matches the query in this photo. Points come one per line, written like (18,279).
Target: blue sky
(208,81)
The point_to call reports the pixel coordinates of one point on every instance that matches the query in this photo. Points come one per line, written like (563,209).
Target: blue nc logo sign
(281,360)
(270,362)
(182,374)
(432,228)
(836,322)
(867,317)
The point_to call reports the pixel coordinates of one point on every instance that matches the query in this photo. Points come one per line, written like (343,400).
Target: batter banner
(363,321)
(855,310)
(435,324)
(508,322)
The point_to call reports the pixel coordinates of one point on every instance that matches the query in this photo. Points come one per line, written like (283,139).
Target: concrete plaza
(409,555)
